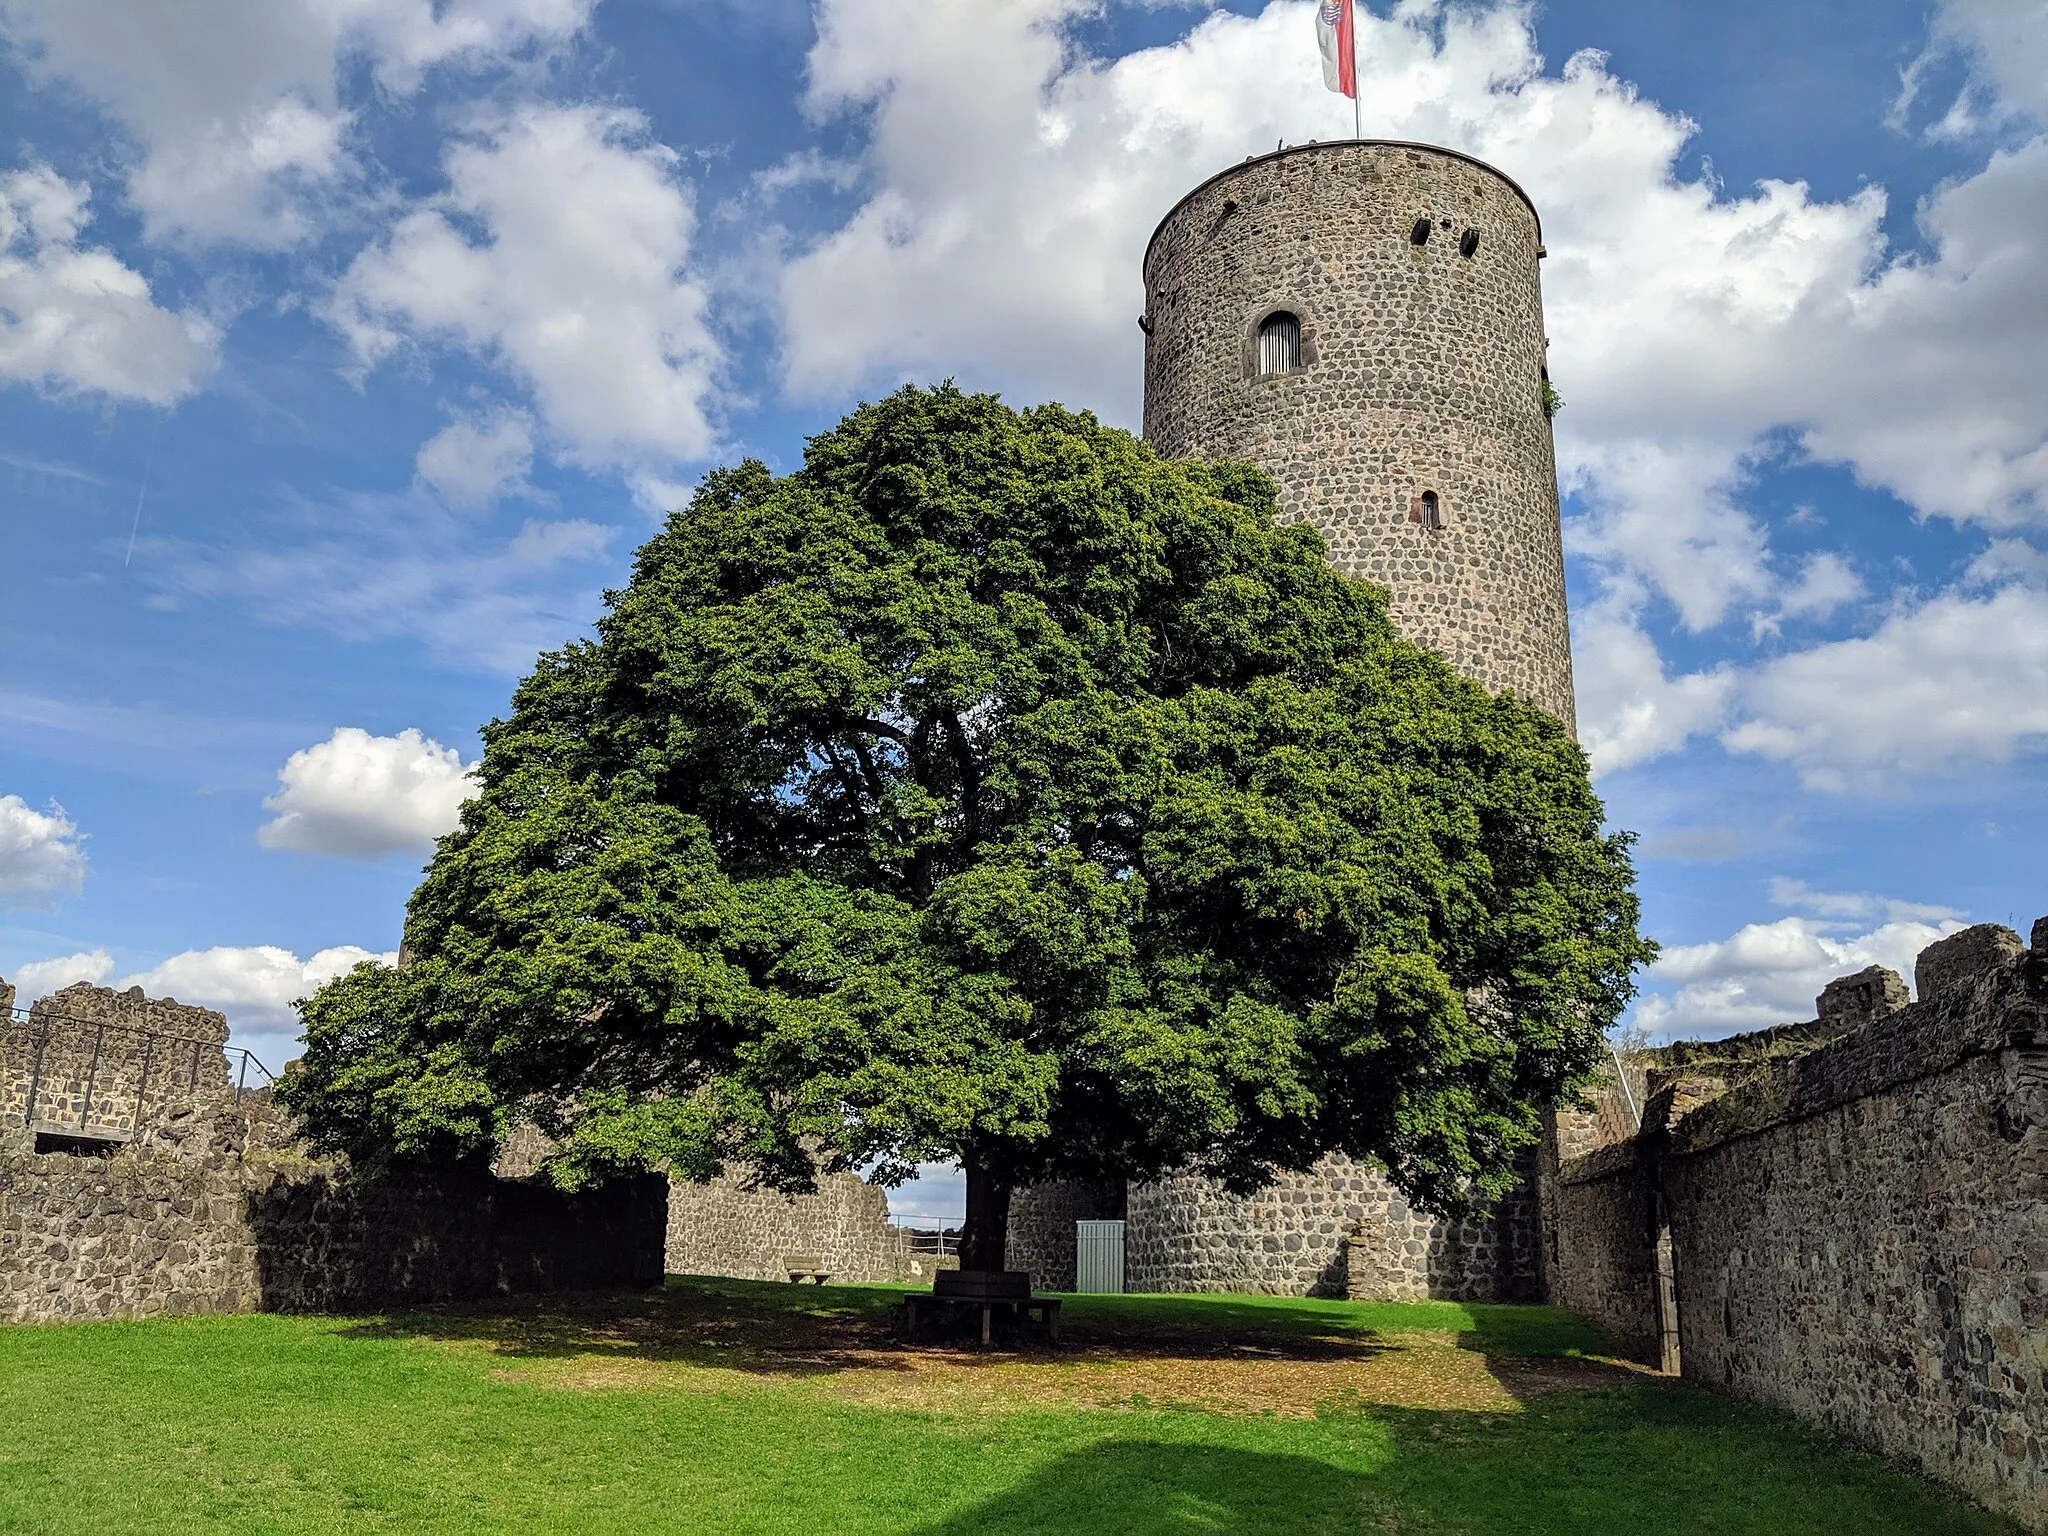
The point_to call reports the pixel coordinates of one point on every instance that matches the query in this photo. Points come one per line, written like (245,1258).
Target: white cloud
(235,104)
(365,796)
(478,459)
(254,986)
(2005,45)
(42,853)
(1630,710)
(1770,973)
(1011,180)
(1827,583)
(39,978)
(2006,559)
(1856,906)
(1937,686)
(73,318)
(577,284)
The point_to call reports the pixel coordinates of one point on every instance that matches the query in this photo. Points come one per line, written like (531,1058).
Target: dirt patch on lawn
(708,1342)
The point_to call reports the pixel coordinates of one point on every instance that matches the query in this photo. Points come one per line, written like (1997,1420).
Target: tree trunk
(984,1241)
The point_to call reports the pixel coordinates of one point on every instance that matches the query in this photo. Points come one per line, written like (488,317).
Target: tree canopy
(993,790)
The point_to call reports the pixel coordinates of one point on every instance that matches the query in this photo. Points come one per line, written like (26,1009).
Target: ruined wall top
(84,1003)
(1981,991)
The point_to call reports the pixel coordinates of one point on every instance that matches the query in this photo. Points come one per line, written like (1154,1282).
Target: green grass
(452,1422)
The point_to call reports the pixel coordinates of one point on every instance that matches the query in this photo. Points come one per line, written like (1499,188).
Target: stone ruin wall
(1341,1229)
(1421,370)
(208,1205)
(100,1062)
(1858,1217)
(1042,1241)
(733,1227)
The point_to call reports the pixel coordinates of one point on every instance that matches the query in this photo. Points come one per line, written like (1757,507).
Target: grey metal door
(1099,1257)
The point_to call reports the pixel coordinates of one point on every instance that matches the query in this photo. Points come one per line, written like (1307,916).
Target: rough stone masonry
(1856,1212)
(130,1190)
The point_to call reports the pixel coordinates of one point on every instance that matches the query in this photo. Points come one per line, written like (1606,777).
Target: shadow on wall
(1138,1486)
(447,1233)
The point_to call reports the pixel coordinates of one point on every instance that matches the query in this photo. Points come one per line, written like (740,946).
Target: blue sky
(349,347)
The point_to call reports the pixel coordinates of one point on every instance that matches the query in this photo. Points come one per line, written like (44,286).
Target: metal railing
(943,1241)
(237,1070)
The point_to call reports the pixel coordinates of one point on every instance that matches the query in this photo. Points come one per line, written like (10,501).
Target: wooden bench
(805,1266)
(992,1293)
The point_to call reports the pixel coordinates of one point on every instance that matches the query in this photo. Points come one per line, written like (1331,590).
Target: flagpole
(1357,117)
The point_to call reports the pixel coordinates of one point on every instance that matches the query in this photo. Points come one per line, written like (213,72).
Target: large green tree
(991,789)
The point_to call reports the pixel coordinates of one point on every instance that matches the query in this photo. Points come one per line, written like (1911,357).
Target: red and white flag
(1340,49)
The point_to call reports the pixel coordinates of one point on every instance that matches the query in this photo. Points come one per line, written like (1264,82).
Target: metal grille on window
(1279,344)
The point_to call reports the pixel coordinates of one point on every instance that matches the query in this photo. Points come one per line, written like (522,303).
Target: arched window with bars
(1279,344)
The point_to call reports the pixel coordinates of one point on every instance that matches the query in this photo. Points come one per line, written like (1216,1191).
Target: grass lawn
(734,1407)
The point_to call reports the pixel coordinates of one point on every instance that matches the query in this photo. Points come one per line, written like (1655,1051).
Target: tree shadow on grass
(784,1330)
(1149,1488)
(1658,1458)
(1238,1355)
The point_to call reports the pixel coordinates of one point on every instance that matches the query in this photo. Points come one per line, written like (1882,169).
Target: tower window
(1419,235)
(1468,242)
(1427,509)
(1279,344)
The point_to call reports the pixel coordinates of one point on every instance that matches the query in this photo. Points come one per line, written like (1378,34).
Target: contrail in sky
(148,464)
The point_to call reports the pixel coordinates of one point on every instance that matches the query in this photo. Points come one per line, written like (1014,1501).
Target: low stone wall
(1290,1239)
(209,1210)
(735,1228)
(1859,1229)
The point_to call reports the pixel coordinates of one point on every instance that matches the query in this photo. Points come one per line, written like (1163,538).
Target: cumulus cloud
(254,986)
(73,318)
(1008,182)
(560,252)
(1630,708)
(235,105)
(39,978)
(42,853)
(2005,47)
(478,459)
(364,796)
(1770,973)
(1939,685)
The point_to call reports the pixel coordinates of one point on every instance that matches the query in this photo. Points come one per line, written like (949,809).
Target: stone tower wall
(1421,370)
(1341,1229)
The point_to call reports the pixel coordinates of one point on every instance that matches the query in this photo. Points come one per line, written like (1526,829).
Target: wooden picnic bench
(993,1293)
(805,1266)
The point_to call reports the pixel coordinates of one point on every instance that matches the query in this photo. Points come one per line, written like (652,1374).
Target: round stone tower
(1364,321)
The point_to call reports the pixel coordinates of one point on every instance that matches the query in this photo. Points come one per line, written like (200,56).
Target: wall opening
(1432,510)
(1419,235)
(60,1144)
(1279,344)
(1468,243)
